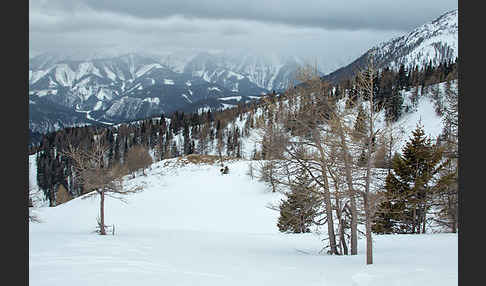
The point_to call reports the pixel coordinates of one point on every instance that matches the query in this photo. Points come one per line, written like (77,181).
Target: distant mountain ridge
(70,90)
(233,71)
(434,42)
(65,90)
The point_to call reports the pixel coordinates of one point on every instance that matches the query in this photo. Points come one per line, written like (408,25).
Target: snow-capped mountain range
(65,90)
(236,70)
(72,89)
(434,42)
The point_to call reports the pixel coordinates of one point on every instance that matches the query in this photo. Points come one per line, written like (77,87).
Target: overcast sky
(331,32)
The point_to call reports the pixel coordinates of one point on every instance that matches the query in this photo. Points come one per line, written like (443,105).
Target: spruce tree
(300,207)
(408,188)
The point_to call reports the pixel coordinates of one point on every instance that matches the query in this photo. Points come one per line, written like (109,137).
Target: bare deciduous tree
(308,120)
(138,158)
(365,86)
(448,196)
(93,173)
(325,144)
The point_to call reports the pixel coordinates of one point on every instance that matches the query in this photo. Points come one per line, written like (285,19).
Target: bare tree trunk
(219,153)
(327,193)
(454,221)
(272,177)
(414,215)
(330,220)
(102,213)
(352,193)
(342,238)
(367,207)
(369,241)
(366,199)
(366,84)
(424,216)
(452,213)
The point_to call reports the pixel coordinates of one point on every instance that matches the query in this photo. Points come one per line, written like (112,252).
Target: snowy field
(193,226)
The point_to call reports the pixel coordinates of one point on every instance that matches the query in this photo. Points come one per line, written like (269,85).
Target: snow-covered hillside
(423,113)
(193,226)
(434,42)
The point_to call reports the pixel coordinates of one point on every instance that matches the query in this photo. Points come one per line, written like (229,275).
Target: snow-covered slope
(433,42)
(424,114)
(192,226)
(436,41)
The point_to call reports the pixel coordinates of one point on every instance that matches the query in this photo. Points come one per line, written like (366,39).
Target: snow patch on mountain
(153,100)
(231,74)
(65,75)
(211,88)
(226,106)
(144,69)
(110,74)
(87,68)
(238,98)
(45,92)
(98,105)
(34,76)
(169,81)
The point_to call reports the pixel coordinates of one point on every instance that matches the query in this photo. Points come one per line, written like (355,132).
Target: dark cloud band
(348,15)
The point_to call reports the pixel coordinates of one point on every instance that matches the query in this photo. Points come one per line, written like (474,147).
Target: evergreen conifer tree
(393,107)
(300,207)
(408,188)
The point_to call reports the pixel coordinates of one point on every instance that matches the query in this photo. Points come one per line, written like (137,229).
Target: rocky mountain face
(69,91)
(433,42)
(247,73)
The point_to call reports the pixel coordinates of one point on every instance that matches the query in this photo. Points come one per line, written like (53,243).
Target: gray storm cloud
(334,31)
(343,14)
